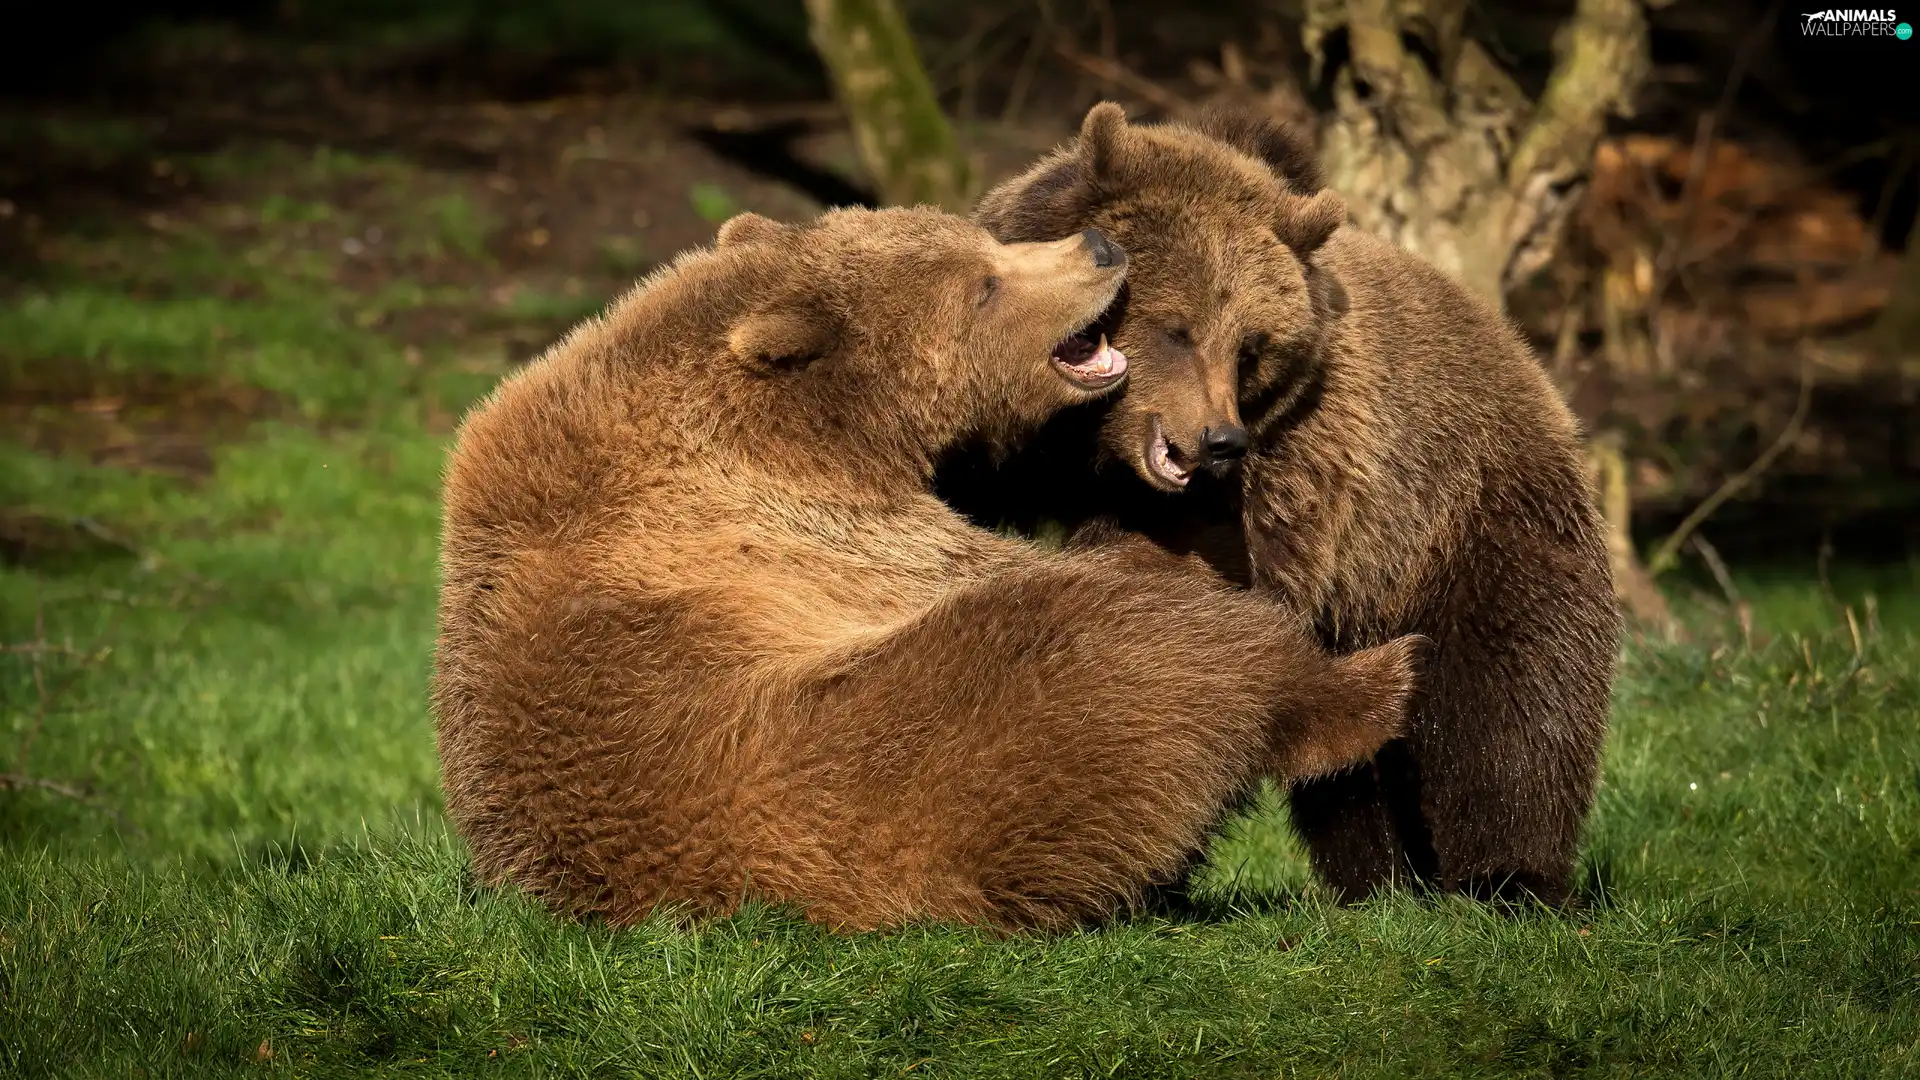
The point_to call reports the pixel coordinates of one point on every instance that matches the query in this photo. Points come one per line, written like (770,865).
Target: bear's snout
(1228,442)
(1104,251)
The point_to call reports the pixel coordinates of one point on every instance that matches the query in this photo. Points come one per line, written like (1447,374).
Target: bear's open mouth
(1088,360)
(1163,459)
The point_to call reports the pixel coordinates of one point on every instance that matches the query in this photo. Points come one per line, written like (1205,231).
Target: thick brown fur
(1411,470)
(706,634)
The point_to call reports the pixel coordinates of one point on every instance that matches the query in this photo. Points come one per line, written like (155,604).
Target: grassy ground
(221,848)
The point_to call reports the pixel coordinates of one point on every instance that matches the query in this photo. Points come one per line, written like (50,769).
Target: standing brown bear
(706,632)
(1329,418)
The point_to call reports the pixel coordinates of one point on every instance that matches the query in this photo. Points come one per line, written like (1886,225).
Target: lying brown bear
(706,633)
(1332,420)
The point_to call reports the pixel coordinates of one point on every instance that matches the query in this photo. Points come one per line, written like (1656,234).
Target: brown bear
(1332,420)
(706,633)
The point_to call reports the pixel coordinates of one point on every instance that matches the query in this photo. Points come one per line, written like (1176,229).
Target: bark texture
(905,141)
(1438,150)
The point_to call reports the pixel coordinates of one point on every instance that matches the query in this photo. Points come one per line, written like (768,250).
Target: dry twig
(1709,123)
(1119,74)
(1023,75)
(11,781)
(1109,43)
(45,697)
(1822,561)
(1717,566)
(15,780)
(1665,555)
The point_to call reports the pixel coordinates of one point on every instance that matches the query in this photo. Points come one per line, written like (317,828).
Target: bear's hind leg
(1047,745)
(1362,827)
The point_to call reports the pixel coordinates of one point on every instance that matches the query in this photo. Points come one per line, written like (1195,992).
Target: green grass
(258,878)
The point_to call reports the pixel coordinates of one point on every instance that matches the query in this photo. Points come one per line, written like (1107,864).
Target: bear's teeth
(1161,458)
(1107,359)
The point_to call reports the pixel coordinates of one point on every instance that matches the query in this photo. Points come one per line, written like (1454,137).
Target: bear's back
(1444,358)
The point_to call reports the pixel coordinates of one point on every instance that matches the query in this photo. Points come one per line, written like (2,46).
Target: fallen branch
(1666,554)
(14,781)
(750,118)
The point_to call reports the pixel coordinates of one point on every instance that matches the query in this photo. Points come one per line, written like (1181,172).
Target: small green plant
(712,202)
(460,224)
(279,209)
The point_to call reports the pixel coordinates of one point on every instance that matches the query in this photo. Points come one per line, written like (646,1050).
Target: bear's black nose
(1105,252)
(1225,443)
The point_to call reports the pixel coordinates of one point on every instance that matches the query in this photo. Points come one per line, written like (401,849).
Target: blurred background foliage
(1735,231)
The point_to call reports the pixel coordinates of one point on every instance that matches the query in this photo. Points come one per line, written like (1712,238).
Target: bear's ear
(1055,196)
(785,340)
(1100,135)
(749,228)
(1283,148)
(1046,202)
(1304,223)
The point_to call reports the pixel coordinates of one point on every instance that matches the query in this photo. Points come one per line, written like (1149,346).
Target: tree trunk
(904,139)
(1632,583)
(1438,150)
